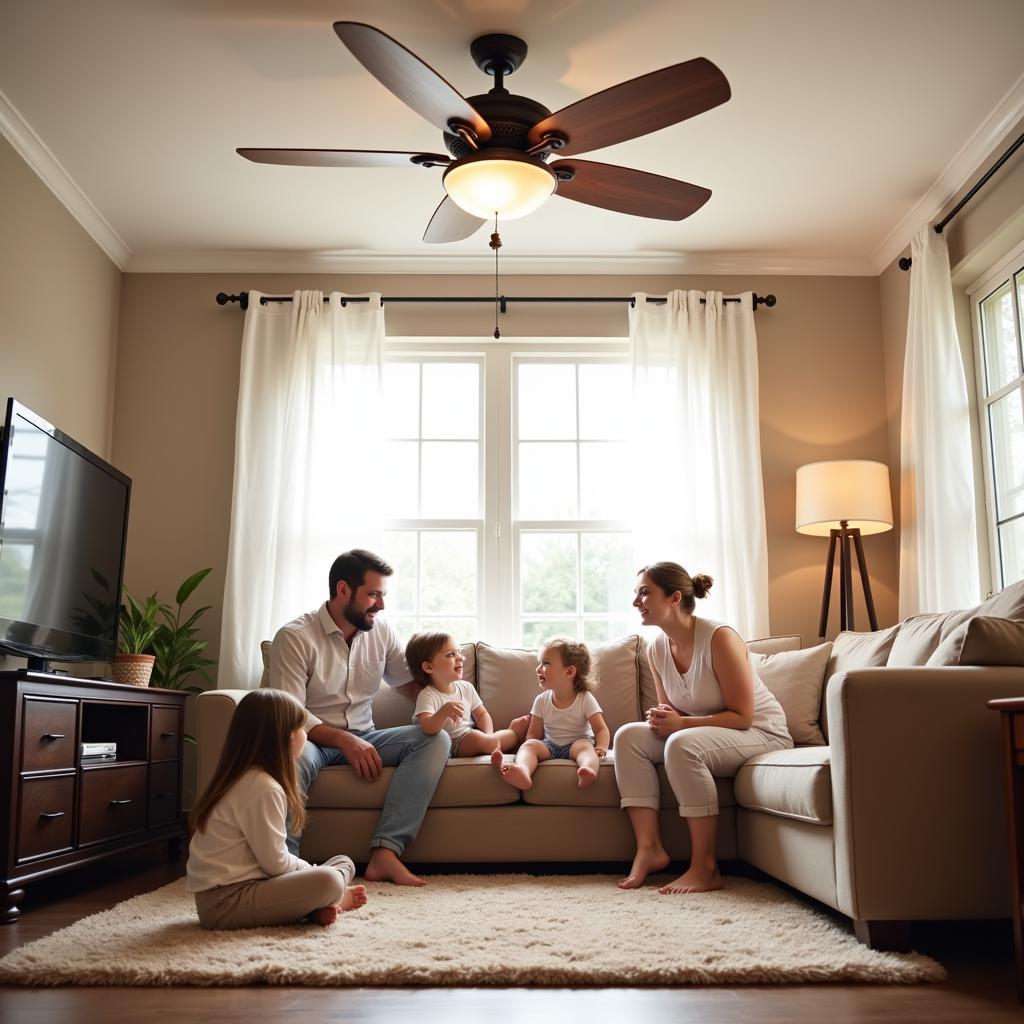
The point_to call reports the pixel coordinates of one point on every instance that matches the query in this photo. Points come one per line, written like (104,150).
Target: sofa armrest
(214,709)
(918,801)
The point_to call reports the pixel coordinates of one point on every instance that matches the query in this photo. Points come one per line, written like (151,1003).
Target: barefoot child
(447,701)
(239,867)
(566,720)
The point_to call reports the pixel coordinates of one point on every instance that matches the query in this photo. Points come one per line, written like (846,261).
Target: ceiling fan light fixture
(510,185)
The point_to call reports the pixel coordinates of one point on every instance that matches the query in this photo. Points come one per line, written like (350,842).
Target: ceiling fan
(499,143)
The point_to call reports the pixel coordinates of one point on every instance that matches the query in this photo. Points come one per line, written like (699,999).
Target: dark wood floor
(979,958)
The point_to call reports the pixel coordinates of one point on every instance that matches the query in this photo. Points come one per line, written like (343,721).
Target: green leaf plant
(139,625)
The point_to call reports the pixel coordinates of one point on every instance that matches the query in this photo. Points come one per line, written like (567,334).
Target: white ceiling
(850,123)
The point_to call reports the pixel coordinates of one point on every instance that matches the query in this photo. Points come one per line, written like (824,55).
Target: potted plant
(137,629)
(179,654)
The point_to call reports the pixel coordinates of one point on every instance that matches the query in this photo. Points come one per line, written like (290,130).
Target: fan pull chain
(495,244)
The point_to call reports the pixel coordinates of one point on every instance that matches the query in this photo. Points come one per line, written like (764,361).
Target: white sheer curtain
(307,484)
(938,553)
(698,488)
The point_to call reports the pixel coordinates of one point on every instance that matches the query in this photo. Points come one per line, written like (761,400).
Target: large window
(998,307)
(507,512)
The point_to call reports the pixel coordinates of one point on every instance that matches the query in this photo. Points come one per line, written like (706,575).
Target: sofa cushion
(795,783)
(856,650)
(507,680)
(982,640)
(796,679)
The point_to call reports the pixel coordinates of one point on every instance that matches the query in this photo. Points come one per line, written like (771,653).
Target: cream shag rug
(475,930)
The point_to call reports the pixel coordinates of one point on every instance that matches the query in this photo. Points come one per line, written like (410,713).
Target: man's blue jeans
(418,759)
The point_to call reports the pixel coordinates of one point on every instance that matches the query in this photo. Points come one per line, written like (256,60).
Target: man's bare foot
(354,898)
(519,726)
(384,866)
(497,759)
(694,880)
(586,776)
(645,861)
(325,915)
(516,775)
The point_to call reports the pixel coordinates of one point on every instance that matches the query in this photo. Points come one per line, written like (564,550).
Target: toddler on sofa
(566,721)
(447,701)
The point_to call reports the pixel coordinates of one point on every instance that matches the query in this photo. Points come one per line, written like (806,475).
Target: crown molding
(976,152)
(35,153)
(361,262)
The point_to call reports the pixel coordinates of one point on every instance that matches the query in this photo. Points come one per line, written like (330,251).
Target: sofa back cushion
(507,681)
(982,640)
(796,679)
(856,650)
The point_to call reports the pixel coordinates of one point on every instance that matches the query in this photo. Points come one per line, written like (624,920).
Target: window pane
(547,400)
(400,553)
(451,480)
(1011,551)
(404,626)
(401,400)
(451,400)
(1002,356)
(536,632)
(448,571)
(400,476)
(547,571)
(608,572)
(599,631)
(605,391)
(463,630)
(604,480)
(1007,430)
(547,481)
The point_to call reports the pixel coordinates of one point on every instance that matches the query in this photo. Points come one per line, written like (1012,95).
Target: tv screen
(63,526)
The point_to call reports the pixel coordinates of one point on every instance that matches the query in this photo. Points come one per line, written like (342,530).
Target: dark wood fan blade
(627,191)
(637,107)
(343,158)
(415,83)
(450,223)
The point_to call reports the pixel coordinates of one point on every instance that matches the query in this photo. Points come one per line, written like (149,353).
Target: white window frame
(978,292)
(497,568)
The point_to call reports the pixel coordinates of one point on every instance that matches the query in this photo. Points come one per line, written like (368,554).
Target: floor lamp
(844,501)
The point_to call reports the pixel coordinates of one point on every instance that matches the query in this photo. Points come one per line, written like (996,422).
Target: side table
(1011,711)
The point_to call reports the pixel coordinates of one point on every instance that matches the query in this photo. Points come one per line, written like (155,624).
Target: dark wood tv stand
(57,813)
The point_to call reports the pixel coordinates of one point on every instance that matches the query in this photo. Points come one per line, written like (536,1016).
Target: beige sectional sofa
(889,809)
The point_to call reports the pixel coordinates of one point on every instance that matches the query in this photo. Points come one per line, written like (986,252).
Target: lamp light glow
(511,186)
(850,491)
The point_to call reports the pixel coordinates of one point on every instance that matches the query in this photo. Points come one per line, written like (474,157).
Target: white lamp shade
(852,490)
(509,188)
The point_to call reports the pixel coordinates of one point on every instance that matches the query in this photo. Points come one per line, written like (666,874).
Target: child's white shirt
(430,700)
(244,837)
(563,726)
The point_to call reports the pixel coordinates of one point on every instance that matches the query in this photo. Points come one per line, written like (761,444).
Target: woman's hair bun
(701,585)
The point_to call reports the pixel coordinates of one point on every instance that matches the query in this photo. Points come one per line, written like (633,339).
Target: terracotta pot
(133,669)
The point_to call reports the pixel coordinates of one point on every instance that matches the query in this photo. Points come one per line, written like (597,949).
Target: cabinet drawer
(48,734)
(163,794)
(47,816)
(113,803)
(165,734)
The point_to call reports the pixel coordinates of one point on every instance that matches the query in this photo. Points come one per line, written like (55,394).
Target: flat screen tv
(63,527)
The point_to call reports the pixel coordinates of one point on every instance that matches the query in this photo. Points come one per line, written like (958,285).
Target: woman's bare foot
(354,898)
(646,861)
(497,759)
(519,726)
(586,776)
(694,880)
(516,775)
(384,866)
(325,915)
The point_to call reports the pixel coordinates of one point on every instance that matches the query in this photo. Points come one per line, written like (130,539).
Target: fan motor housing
(510,118)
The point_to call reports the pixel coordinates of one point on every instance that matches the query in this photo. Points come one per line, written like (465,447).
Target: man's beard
(358,619)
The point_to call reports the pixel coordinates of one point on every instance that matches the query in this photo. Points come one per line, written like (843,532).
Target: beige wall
(59,301)
(822,396)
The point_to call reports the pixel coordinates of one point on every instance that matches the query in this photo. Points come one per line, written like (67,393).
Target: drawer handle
(167,735)
(119,803)
(53,736)
(49,815)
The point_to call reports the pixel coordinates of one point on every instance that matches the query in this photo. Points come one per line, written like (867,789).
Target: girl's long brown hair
(258,737)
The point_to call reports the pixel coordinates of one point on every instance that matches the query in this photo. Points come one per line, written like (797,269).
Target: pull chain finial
(495,244)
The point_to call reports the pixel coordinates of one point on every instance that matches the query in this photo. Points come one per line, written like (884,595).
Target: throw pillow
(857,650)
(796,678)
(982,640)
(775,644)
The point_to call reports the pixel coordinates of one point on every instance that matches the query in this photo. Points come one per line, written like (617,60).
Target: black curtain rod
(243,299)
(905,261)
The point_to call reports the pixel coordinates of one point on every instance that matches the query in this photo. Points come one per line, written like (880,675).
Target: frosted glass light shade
(510,188)
(853,490)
